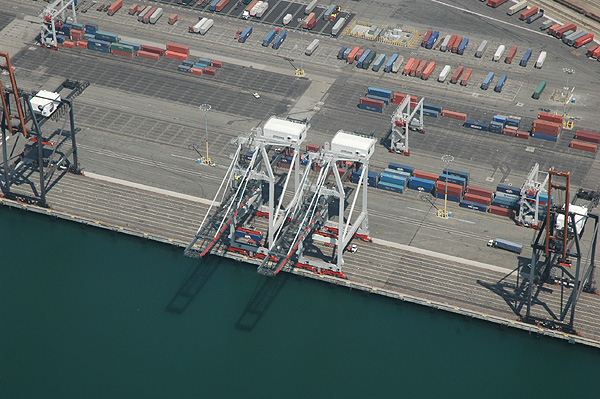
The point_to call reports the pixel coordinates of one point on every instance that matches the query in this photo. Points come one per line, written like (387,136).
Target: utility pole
(206,159)
(569,72)
(444,213)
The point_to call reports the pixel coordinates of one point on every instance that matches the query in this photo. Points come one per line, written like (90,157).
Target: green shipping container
(538,92)
(367,62)
(121,47)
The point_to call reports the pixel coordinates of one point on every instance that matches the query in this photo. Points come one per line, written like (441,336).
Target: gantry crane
(54,14)
(403,120)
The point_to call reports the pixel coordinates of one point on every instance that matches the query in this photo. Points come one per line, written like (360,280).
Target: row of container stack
(585,140)
(202,26)
(508,126)
(375,99)
(454,43)
(136,9)
(148,14)
(202,66)
(547,126)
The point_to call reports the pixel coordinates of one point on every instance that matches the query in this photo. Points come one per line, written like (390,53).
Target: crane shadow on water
(192,284)
(264,294)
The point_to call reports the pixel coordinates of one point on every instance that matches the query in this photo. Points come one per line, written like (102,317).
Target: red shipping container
(596,53)
(522,135)
(216,64)
(147,16)
(477,198)
(547,132)
(149,55)
(68,44)
(116,6)
(509,132)
(553,28)
(550,117)
(451,42)
(440,186)
(565,28)
(141,9)
(359,54)
(151,49)
(465,79)
(420,68)
(173,18)
(414,66)
(425,175)
(210,71)
(352,54)
(178,56)
(313,148)
(511,55)
(456,74)
(591,50)
(528,13)
(196,71)
(584,135)
(408,66)
(81,44)
(456,44)
(310,21)
(122,53)
(482,192)
(547,124)
(426,37)
(428,70)
(133,9)
(178,48)
(77,34)
(221,4)
(583,40)
(579,145)
(454,115)
(496,3)
(497,210)
(371,102)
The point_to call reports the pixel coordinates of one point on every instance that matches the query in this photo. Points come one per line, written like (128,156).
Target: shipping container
(535,17)
(397,188)
(380,92)
(259,9)
(370,108)
(313,46)
(397,64)
(456,43)
(362,58)
(540,61)
(585,135)
(196,27)
(453,40)
(538,92)
(479,191)
(420,68)
(375,102)
(501,83)
(346,54)
(462,46)
(425,175)
(116,6)
(352,54)
(428,70)
(579,145)
(206,26)
(465,78)
(488,79)
(511,54)
(408,66)
(506,245)
(279,40)
(569,37)
(553,28)
(546,24)
(476,125)
(470,196)
(311,6)
(513,121)
(432,39)
(368,60)
(454,115)
(560,31)
(339,25)
(595,53)
(528,13)
(444,74)
(310,21)
(473,205)
(271,35)
(498,53)
(505,188)
(525,58)
(481,49)
(456,75)
(445,41)
(402,168)
(544,136)
(147,15)
(423,185)
(432,107)
(173,18)
(517,7)
(583,40)
(495,3)
(328,12)
(245,34)
(133,9)
(426,37)
(390,63)
(378,62)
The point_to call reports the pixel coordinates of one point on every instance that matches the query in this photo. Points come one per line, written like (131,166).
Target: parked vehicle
(488,79)
(312,47)
(506,245)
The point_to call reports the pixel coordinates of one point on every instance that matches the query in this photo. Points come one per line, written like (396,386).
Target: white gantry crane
(403,120)
(533,187)
(55,13)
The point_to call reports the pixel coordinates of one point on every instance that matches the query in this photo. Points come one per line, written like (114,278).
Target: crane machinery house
(285,130)
(352,144)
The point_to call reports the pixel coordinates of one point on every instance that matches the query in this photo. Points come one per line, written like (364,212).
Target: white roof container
(45,102)
(580,218)
(352,145)
(285,130)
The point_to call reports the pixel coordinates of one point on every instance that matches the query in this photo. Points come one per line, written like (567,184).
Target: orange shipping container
(68,44)
(550,117)
(196,71)
(465,79)
(82,44)
(408,65)
(176,55)
(456,74)
(456,44)
(420,69)
(580,145)
(428,70)
(116,6)
(454,115)
(133,9)
(173,18)
(352,54)
(178,48)
(425,175)
(511,55)
(149,55)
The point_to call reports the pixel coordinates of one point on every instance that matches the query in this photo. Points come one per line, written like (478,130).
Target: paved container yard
(141,124)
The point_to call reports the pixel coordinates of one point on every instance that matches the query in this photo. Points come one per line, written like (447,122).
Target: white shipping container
(157,14)
(287,19)
(338,26)
(517,7)
(397,64)
(255,8)
(312,47)
(499,52)
(444,45)
(311,6)
(540,60)
(143,13)
(481,49)
(444,74)
(206,26)
(262,9)
(199,24)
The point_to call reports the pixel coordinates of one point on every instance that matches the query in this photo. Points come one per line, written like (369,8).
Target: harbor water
(86,313)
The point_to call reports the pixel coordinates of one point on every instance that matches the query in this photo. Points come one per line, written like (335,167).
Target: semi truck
(506,245)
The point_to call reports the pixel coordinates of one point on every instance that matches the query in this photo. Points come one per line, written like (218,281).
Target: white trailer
(444,74)
(517,7)
(481,49)
(311,6)
(206,26)
(499,53)
(254,9)
(156,15)
(338,26)
(260,11)
(312,47)
(444,45)
(397,64)
(540,61)
(196,28)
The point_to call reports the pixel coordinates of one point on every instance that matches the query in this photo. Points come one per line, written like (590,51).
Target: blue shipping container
(213,5)
(361,60)
(400,167)
(245,34)
(100,49)
(525,58)
(476,125)
(390,187)
(397,172)
(370,108)
(341,53)
(374,97)
(91,26)
(427,112)
(500,83)
(433,107)
(390,63)
(279,40)
(488,79)
(450,197)
(432,39)
(187,62)
(507,196)
(460,173)
(269,38)
(513,122)
(416,183)
(108,37)
(378,62)
(544,136)
(135,46)
(98,43)
(183,68)
(380,92)
(462,46)
(508,189)
(392,178)
(473,205)
(499,118)
(461,181)
(88,37)
(496,127)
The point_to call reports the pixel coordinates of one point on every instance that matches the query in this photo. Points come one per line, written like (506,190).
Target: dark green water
(83,315)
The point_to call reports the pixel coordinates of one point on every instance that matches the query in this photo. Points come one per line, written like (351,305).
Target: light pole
(569,72)
(444,213)
(205,108)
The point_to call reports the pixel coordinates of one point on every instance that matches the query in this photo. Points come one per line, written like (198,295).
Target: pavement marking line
(179,156)
(440,255)
(485,16)
(415,209)
(149,188)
